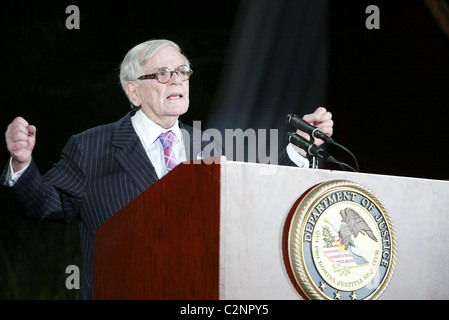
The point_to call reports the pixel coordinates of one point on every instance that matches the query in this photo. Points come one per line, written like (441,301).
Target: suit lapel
(131,155)
(133,159)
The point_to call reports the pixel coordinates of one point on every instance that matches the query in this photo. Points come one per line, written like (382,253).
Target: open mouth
(175,96)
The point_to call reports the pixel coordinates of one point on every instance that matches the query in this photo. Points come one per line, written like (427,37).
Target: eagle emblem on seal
(340,242)
(343,248)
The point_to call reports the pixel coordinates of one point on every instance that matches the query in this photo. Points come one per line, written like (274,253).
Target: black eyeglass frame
(154,75)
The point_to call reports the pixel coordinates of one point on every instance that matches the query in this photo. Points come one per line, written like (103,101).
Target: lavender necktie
(166,139)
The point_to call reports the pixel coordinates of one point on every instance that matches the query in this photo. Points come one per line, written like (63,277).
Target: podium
(215,231)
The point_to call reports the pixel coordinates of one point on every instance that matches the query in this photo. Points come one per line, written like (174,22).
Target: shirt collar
(150,131)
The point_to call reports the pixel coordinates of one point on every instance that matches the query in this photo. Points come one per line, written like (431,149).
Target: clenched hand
(20,141)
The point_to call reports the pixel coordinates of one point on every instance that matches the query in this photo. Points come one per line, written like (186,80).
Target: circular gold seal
(339,243)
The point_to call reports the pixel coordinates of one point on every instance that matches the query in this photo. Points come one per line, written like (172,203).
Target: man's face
(164,102)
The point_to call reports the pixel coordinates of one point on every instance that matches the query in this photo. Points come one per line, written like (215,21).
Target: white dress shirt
(14,176)
(298,159)
(149,132)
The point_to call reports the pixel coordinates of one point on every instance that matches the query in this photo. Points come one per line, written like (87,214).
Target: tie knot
(166,139)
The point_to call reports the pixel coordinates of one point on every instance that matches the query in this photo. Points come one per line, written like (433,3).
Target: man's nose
(175,79)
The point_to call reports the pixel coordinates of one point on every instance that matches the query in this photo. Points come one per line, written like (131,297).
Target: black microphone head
(303,125)
(289,117)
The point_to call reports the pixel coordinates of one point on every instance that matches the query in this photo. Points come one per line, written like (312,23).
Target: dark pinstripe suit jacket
(99,172)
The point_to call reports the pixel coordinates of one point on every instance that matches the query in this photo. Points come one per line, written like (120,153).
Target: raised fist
(20,141)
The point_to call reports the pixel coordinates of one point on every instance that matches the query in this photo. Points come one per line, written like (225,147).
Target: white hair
(137,57)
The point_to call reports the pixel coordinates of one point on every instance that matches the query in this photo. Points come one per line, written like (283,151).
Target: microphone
(310,148)
(303,125)
(313,150)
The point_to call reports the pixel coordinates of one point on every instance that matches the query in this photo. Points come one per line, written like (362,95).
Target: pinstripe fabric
(99,172)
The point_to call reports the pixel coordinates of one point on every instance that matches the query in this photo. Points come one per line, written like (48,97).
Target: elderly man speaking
(104,168)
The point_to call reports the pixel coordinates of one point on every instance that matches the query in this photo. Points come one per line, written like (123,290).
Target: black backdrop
(388,90)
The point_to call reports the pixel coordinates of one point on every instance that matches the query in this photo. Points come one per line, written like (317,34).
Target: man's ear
(132,93)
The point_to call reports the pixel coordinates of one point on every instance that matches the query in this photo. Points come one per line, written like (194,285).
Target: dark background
(388,90)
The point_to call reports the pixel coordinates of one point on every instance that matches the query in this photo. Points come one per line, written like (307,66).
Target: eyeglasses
(164,74)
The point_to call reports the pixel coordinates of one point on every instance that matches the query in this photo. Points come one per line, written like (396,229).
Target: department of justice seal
(339,243)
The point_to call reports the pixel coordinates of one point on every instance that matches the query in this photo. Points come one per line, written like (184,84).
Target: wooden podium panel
(220,235)
(164,244)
